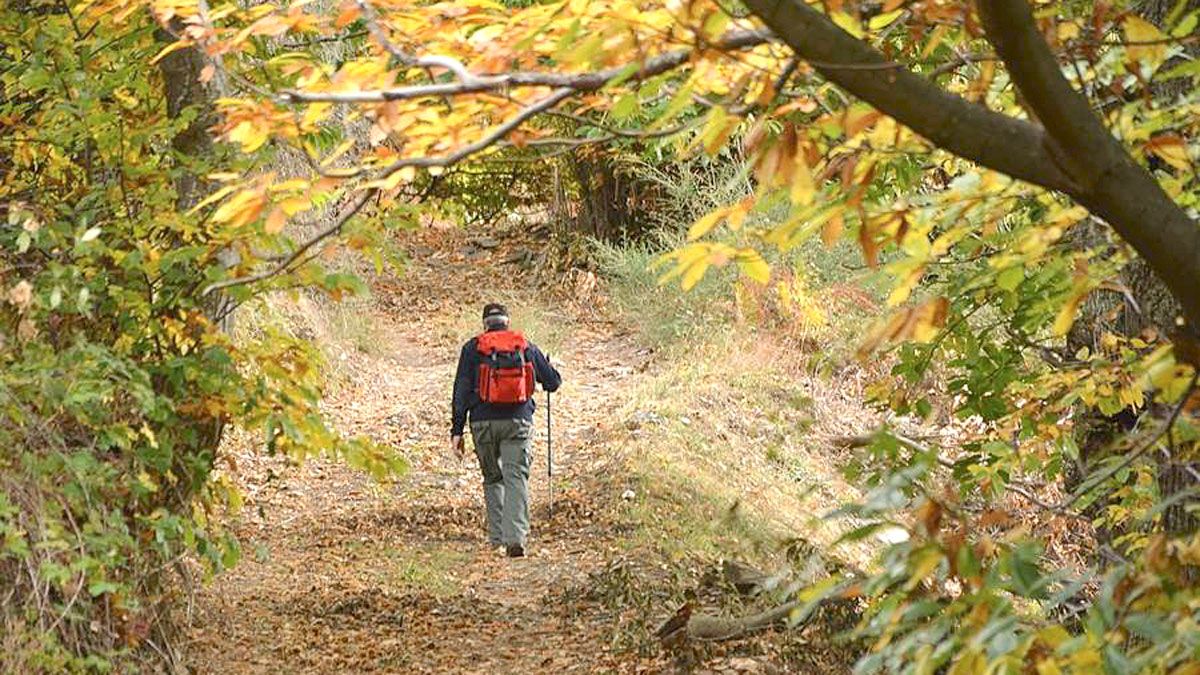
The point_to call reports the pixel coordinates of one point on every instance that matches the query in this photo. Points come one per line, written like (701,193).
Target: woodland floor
(340,574)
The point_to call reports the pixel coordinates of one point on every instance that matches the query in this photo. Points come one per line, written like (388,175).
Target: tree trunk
(181,72)
(1146,304)
(609,204)
(1069,149)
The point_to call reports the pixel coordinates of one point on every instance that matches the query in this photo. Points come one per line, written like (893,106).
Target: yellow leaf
(738,213)
(706,224)
(804,189)
(683,258)
(752,264)
(487,35)
(340,150)
(715,24)
(929,319)
(315,113)
(173,47)
(293,205)
(1172,150)
(1066,315)
(717,130)
(1069,30)
(402,175)
(847,23)
(1138,30)
(247,134)
(242,208)
(910,271)
(884,20)
(693,274)
(213,198)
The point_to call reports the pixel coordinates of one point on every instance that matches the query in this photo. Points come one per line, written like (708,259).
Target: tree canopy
(964,146)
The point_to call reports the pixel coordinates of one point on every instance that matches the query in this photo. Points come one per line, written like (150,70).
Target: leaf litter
(351,576)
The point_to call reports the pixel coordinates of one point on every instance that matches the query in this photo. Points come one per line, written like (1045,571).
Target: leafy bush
(813,291)
(660,315)
(117,380)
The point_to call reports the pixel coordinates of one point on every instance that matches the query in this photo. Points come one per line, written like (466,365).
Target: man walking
(494,387)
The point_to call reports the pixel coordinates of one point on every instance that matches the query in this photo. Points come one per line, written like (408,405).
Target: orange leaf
(866,239)
(347,16)
(832,229)
(275,221)
(1171,149)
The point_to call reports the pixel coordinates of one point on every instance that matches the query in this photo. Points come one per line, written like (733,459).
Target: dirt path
(342,575)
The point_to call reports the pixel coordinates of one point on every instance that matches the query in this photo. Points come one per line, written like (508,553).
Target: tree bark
(181,83)
(1107,179)
(1145,303)
(181,72)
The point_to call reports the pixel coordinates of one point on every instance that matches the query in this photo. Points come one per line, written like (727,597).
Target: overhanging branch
(1104,176)
(971,131)
(469,83)
(497,134)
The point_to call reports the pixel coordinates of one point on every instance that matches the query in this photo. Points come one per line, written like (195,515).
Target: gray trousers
(503,449)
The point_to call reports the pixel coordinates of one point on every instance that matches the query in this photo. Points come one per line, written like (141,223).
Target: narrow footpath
(340,574)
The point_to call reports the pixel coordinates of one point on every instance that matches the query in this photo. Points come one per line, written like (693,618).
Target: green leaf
(680,101)
(1187,26)
(752,265)
(1010,278)
(98,588)
(1151,627)
(625,107)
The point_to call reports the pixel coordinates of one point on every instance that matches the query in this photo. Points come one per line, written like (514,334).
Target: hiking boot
(515,550)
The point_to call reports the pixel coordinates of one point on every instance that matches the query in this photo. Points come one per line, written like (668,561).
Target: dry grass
(735,439)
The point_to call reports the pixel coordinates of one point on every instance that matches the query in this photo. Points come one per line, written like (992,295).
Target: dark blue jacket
(466,397)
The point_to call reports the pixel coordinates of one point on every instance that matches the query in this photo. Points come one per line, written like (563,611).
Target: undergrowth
(727,439)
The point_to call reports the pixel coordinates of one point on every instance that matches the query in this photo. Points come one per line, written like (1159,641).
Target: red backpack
(505,376)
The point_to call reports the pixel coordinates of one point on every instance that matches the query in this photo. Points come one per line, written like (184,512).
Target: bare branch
(425,162)
(469,83)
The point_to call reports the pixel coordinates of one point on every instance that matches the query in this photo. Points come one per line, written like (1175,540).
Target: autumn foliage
(950,160)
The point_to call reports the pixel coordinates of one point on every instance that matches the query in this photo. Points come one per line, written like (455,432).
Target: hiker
(494,387)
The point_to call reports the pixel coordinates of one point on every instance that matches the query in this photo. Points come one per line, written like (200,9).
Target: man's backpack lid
(499,341)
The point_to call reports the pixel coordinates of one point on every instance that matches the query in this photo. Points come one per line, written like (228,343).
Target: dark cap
(494,309)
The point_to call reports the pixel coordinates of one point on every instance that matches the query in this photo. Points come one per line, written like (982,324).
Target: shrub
(117,380)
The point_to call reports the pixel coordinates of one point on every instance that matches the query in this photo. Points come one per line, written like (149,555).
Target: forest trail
(340,574)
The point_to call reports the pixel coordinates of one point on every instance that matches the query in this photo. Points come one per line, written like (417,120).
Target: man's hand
(457,446)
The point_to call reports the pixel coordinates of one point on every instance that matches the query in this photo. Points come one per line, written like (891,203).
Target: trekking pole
(549,457)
